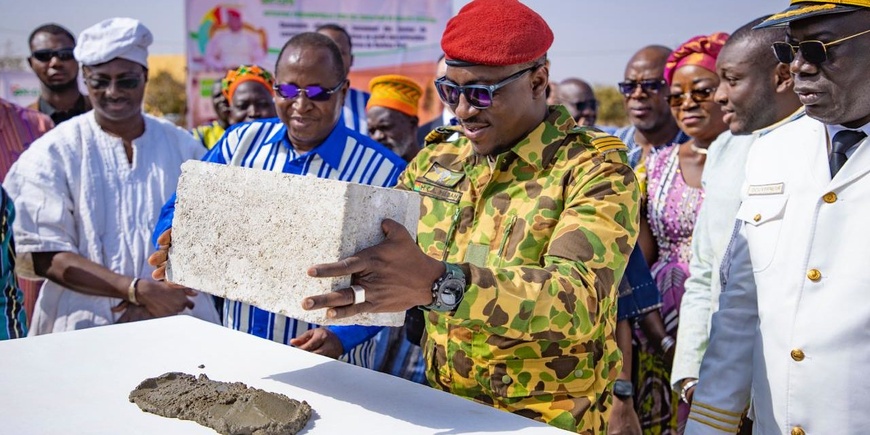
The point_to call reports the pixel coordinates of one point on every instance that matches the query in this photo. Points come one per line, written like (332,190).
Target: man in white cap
(88,193)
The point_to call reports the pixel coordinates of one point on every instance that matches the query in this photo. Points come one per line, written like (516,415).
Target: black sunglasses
(99,84)
(813,51)
(46,55)
(648,86)
(479,96)
(698,96)
(313,92)
(588,104)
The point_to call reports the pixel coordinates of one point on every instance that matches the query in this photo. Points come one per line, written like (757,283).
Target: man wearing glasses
(577,96)
(307,138)
(756,95)
(528,221)
(645,95)
(51,58)
(791,330)
(88,192)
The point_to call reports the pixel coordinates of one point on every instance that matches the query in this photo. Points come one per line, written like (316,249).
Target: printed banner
(389,37)
(19,87)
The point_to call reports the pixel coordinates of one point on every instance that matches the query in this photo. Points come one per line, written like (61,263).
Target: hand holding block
(250,235)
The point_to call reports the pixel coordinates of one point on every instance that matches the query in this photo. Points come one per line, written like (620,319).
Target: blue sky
(594,39)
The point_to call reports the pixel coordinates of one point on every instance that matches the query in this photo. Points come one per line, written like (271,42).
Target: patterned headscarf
(246,73)
(395,92)
(701,50)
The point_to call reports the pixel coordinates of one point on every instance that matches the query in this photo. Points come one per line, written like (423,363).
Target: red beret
(495,33)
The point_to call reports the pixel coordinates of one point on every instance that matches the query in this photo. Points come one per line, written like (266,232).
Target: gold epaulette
(602,141)
(440,134)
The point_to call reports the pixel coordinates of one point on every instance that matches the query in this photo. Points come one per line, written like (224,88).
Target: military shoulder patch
(442,134)
(603,142)
(608,143)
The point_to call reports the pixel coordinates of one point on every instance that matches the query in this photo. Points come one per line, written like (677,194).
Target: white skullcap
(123,38)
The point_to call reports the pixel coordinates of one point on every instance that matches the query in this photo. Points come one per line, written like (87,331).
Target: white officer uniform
(793,328)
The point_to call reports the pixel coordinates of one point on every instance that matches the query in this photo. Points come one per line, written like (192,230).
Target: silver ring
(359,294)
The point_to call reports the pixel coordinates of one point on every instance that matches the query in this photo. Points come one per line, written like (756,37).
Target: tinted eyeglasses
(46,55)
(479,96)
(646,86)
(586,105)
(99,83)
(313,92)
(813,51)
(698,96)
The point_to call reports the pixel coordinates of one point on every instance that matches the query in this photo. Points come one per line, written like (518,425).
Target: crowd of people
(655,279)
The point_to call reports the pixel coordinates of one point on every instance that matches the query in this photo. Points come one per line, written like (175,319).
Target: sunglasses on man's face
(46,55)
(813,51)
(478,96)
(313,92)
(99,83)
(649,86)
(586,105)
(697,95)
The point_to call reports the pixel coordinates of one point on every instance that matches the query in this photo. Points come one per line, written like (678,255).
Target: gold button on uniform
(830,197)
(797,431)
(814,275)
(797,355)
(756,218)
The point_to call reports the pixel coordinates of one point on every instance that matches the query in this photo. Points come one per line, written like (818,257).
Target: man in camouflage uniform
(534,215)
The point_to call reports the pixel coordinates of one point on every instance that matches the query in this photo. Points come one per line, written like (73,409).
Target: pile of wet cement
(229,408)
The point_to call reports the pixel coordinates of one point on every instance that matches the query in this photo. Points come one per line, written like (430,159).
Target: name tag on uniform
(437,192)
(766,189)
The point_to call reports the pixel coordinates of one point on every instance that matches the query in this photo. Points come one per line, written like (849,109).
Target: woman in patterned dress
(674,196)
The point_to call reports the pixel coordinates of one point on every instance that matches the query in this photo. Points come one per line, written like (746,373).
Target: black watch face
(451,291)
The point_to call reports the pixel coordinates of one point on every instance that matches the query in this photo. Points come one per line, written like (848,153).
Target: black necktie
(841,143)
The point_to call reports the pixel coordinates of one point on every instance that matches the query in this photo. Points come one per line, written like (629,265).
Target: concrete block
(250,235)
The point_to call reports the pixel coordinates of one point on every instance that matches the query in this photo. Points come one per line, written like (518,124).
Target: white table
(78,382)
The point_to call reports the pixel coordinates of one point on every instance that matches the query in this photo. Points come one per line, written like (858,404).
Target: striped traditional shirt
(19,127)
(12,319)
(353,113)
(344,155)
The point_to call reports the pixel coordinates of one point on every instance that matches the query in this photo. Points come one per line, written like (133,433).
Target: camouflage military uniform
(543,234)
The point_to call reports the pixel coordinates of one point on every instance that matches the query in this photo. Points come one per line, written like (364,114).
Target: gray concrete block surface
(250,235)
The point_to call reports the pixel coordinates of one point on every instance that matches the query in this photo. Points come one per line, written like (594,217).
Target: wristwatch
(447,291)
(623,389)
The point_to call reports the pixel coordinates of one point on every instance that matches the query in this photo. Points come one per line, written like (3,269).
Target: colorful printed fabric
(19,127)
(246,73)
(638,293)
(543,233)
(395,92)
(343,155)
(701,50)
(672,211)
(12,316)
